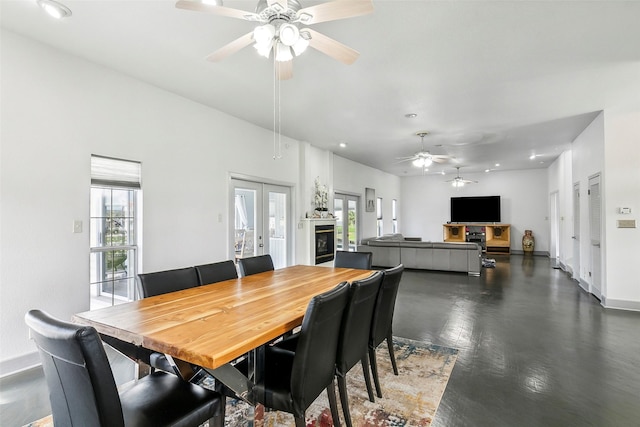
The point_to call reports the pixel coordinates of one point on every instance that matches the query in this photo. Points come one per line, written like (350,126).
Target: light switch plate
(77,226)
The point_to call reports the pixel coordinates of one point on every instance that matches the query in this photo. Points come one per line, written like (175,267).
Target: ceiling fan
(423,159)
(458,181)
(282,29)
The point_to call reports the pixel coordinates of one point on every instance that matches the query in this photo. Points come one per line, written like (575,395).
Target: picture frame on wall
(370,199)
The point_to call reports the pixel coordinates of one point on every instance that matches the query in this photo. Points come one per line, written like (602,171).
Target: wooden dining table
(211,326)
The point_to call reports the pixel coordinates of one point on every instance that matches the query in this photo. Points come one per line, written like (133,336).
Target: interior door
(595,226)
(345,207)
(576,231)
(554,250)
(262,221)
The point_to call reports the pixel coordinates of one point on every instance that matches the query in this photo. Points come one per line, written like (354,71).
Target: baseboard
(620,304)
(18,364)
(584,285)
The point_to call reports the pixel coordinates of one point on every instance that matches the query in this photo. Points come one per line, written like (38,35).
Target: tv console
(493,238)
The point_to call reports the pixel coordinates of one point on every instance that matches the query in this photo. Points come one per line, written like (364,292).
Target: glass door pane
(345,208)
(352,224)
(248,230)
(277,220)
(339,214)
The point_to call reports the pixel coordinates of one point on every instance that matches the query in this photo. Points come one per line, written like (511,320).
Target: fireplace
(324,243)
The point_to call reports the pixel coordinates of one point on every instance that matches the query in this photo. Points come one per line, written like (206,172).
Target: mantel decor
(320,199)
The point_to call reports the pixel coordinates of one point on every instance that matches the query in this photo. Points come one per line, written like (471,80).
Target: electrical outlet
(77,226)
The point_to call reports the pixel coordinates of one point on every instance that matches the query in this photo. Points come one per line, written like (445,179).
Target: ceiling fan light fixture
(264,34)
(283,53)
(419,162)
(300,46)
(54,9)
(264,49)
(289,34)
(457,183)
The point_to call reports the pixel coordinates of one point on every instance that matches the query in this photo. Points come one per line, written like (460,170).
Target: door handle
(597,245)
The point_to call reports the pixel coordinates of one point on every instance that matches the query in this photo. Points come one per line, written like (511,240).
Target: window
(394,216)
(379,216)
(113,225)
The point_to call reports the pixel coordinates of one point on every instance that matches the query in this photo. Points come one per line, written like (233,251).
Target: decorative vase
(322,212)
(528,241)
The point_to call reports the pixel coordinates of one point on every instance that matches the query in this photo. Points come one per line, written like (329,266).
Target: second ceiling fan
(423,158)
(282,30)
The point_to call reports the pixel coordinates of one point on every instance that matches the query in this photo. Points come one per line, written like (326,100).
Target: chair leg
(391,353)
(300,422)
(374,370)
(344,400)
(333,403)
(367,377)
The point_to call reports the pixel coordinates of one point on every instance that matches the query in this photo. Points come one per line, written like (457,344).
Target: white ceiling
(492,81)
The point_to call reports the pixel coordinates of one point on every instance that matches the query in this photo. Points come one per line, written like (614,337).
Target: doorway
(345,207)
(261,221)
(554,250)
(595,226)
(576,232)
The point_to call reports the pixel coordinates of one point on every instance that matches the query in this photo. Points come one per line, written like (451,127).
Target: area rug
(410,399)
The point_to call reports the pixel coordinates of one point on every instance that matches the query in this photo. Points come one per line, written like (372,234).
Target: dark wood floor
(535,350)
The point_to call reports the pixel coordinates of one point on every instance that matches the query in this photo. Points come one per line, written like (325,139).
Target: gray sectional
(391,250)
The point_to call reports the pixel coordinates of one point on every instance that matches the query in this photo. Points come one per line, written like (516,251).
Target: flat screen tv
(475,209)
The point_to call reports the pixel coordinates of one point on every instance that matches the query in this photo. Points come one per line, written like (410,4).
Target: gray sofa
(391,250)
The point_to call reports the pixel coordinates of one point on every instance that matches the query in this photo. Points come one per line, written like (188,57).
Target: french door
(261,221)
(345,207)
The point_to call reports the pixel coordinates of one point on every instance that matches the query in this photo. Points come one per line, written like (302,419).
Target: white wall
(352,178)
(425,203)
(587,159)
(56,111)
(622,189)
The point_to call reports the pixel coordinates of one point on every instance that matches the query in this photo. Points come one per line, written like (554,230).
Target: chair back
(385,304)
(216,272)
(356,322)
(82,390)
(255,265)
(346,259)
(313,367)
(162,282)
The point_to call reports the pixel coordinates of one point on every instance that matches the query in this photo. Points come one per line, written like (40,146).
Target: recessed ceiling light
(54,9)
(343,145)
(531,157)
(411,115)
(487,170)
(497,165)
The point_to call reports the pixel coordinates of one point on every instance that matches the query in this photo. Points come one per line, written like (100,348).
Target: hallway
(535,350)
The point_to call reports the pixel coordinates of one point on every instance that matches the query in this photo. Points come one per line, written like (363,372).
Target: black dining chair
(381,325)
(83,392)
(297,373)
(216,272)
(255,265)
(354,336)
(162,282)
(346,259)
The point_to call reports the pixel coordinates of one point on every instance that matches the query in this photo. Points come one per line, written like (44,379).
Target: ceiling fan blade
(334,10)
(231,48)
(217,10)
(284,70)
(332,48)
